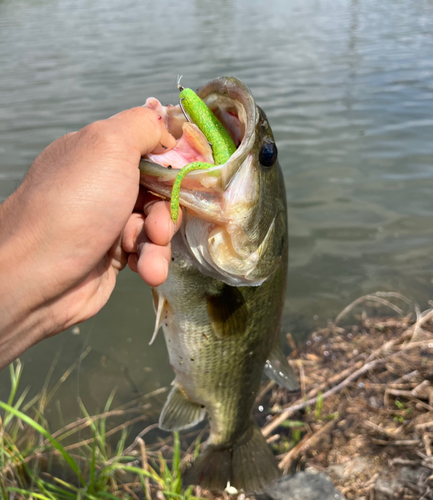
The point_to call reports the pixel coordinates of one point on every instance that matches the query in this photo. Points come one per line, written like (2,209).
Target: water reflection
(348,89)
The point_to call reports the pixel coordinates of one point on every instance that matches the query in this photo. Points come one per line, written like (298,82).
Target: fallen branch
(307,441)
(292,409)
(374,298)
(421,320)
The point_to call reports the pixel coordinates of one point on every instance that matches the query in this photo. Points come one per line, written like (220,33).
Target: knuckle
(102,136)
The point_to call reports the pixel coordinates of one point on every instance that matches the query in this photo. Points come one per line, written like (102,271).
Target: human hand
(60,241)
(147,237)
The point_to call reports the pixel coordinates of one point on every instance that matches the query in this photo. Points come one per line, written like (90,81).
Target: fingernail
(169,141)
(171,229)
(177,225)
(167,264)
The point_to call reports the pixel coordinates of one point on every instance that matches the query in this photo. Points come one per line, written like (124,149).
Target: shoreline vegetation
(363,416)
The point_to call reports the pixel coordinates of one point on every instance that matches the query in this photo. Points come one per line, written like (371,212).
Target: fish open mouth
(202,191)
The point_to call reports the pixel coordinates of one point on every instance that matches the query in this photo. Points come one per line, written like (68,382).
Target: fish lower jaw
(215,254)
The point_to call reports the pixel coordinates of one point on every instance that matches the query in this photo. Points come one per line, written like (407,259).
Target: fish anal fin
(278,369)
(228,312)
(179,412)
(248,465)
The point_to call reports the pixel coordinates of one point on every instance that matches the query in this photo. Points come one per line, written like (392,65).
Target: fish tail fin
(247,465)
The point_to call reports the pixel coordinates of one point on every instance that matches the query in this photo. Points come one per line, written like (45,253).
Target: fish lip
(223,87)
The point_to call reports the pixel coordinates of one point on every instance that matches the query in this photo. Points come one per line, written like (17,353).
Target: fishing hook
(185,114)
(179,86)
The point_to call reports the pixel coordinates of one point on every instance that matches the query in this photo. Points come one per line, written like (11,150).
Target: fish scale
(210,379)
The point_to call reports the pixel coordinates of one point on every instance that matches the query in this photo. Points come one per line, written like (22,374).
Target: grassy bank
(364,416)
(38,464)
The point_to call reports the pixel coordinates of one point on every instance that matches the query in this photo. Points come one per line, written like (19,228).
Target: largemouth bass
(221,305)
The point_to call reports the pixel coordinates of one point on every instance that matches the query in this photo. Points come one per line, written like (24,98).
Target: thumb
(143,130)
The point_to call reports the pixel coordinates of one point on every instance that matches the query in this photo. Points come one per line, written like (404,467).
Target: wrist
(25,316)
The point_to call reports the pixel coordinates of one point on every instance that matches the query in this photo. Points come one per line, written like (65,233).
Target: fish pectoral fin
(228,312)
(179,412)
(159,302)
(278,369)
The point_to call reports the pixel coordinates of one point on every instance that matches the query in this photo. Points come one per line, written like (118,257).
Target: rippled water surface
(348,89)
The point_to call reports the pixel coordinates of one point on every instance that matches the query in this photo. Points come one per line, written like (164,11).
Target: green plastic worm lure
(221,143)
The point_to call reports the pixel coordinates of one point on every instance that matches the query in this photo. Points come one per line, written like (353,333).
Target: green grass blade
(155,476)
(197,448)
(175,469)
(47,435)
(164,471)
(106,409)
(3,491)
(21,398)
(93,468)
(44,490)
(29,493)
(59,491)
(86,414)
(94,426)
(17,405)
(105,494)
(60,414)
(170,494)
(63,378)
(129,468)
(15,374)
(65,484)
(121,443)
(15,371)
(31,403)
(110,400)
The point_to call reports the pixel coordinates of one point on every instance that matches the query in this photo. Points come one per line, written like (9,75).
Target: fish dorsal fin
(228,312)
(179,412)
(278,369)
(159,302)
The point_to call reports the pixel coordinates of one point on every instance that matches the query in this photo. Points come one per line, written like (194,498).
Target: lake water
(348,89)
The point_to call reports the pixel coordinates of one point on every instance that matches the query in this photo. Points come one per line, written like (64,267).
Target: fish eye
(268,154)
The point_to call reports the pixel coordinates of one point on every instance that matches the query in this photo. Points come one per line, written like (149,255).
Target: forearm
(20,330)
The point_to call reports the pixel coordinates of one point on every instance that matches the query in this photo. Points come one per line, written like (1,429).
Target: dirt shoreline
(363,417)
(369,421)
